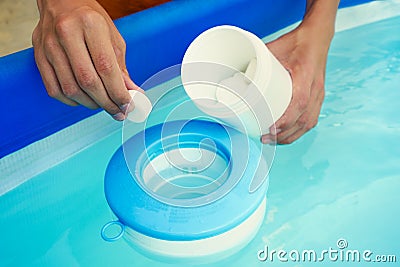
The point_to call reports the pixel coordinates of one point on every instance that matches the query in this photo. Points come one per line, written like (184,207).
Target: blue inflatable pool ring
(181,190)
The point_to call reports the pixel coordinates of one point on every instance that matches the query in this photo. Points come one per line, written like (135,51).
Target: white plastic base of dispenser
(203,250)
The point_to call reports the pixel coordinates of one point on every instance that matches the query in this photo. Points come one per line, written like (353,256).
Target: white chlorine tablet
(142,108)
(228,89)
(251,69)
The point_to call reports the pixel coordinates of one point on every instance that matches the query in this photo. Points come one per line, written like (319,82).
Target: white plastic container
(230,74)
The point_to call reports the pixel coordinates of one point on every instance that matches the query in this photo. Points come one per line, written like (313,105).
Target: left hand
(304,56)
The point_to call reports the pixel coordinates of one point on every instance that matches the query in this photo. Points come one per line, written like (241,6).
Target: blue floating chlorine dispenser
(189,181)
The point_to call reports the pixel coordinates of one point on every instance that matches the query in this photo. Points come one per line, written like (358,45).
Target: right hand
(81,56)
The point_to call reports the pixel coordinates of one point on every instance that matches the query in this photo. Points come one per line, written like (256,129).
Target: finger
(119,48)
(284,135)
(130,85)
(98,41)
(50,79)
(301,129)
(66,78)
(268,139)
(277,138)
(296,135)
(85,73)
(307,121)
(299,102)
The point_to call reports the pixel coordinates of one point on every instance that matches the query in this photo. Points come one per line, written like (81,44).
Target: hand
(303,52)
(81,56)
(305,60)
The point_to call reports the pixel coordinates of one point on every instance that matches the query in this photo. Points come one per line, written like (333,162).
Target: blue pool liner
(156,39)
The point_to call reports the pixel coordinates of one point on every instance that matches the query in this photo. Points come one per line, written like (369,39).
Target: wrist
(315,34)
(40,4)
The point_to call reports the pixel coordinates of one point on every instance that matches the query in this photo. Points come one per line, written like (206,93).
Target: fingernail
(266,140)
(126,108)
(119,116)
(275,131)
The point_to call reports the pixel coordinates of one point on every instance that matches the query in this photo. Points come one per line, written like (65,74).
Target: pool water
(340,182)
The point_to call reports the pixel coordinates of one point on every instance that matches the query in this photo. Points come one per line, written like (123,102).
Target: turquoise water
(340,181)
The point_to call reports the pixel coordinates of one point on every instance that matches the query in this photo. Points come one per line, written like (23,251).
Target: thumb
(120,53)
(130,85)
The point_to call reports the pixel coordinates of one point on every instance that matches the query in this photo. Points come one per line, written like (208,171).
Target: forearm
(121,8)
(41,4)
(319,19)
